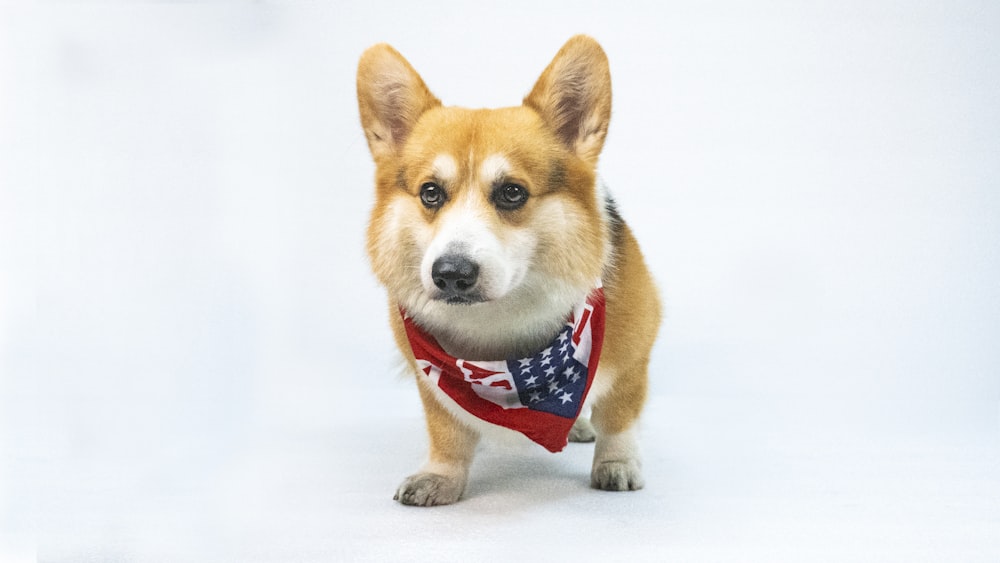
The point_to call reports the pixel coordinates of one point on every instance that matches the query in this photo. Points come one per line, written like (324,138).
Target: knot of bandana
(539,396)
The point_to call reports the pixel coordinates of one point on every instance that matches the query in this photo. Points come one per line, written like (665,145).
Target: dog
(495,241)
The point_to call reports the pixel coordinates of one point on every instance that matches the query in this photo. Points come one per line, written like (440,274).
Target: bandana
(539,396)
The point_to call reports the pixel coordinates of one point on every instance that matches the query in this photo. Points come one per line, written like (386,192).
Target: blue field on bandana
(551,381)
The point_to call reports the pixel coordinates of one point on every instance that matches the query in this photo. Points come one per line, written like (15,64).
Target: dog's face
(486,213)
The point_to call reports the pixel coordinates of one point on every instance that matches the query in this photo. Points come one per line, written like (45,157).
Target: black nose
(455,274)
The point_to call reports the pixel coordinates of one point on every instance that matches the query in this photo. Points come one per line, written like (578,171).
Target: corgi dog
(495,242)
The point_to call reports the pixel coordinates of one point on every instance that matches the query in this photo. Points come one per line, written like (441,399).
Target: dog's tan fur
(550,145)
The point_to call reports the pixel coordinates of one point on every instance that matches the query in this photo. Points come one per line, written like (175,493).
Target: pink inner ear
(392,97)
(394,112)
(573,95)
(568,113)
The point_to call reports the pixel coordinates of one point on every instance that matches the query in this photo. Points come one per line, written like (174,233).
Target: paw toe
(617,476)
(429,489)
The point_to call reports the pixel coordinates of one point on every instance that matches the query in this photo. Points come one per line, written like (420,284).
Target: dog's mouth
(464,299)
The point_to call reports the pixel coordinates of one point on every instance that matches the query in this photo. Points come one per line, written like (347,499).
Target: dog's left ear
(573,96)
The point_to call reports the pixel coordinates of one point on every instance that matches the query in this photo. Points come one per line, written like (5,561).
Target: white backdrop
(184,189)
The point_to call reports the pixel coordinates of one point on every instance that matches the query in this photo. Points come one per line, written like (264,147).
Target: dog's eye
(431,195)
(510,196)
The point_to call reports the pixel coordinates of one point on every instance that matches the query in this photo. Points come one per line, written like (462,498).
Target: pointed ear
(573,96)
(391,97)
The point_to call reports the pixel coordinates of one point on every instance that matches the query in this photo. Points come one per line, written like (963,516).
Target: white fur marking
(445,168)
(493,168)
(617,466)
(454,470)
(621,446)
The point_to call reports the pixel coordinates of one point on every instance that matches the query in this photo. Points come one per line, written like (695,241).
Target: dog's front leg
(617,465)
(452,444)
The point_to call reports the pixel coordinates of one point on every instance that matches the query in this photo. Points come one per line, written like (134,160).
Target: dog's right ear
(391,97)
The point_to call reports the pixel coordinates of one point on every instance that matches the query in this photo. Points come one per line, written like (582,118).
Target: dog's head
(487,212)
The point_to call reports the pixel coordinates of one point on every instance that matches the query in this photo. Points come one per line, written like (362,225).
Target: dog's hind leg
(582,431)
(452,445)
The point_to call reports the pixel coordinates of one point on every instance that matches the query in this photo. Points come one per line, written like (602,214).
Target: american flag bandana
(539,396)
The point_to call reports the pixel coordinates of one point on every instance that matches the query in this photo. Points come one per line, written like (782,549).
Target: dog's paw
(429,489)
(617,475)
(582,431)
